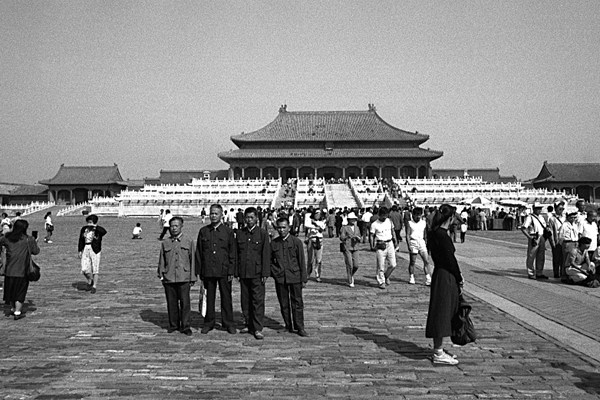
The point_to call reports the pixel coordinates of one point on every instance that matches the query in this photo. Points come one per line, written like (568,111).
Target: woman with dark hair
(18,248)
(446,285)
(48,226)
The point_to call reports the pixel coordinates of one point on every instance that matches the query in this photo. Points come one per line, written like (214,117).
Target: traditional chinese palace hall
(329,144)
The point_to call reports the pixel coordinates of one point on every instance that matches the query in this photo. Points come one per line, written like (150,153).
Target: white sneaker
(351,285)
(412,279)
(444,358)
(427,280)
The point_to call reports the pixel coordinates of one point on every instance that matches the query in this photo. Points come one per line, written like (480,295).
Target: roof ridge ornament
(372,107)
(283,108)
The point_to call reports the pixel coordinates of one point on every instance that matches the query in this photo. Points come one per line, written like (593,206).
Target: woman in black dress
(446,284)
(18,247)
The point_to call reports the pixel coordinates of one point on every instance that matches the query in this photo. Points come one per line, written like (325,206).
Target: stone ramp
(339,195)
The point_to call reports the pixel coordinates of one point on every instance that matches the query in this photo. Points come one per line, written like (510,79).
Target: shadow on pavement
(338,282)
(80,285)
(157,318)
(402,347)
(28,306)
(517,273)
(590,381)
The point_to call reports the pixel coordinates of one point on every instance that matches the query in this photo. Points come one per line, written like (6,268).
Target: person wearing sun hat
(533,228)
(350,237)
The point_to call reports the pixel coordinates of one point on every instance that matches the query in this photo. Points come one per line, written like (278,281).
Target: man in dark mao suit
(215,263)
(253,267)
(288,268)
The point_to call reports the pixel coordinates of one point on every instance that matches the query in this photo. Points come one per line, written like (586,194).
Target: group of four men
(219,256)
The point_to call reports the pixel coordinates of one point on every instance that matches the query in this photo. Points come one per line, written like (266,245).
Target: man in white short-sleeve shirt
(383,241)
(533,229)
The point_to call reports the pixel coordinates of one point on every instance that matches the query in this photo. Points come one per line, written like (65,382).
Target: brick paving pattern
(364,343)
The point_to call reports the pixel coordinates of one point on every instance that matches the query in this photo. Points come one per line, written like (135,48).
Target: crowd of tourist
(254,244)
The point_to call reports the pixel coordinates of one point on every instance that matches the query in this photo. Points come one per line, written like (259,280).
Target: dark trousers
(291,304)
(253,303)
(398,235)
(557,261)
(178,305)
(164,232)
(462,236)
(226,305)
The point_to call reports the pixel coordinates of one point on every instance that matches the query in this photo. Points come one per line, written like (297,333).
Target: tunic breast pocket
(205,243)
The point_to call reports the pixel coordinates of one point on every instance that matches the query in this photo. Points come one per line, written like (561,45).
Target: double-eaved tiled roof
(335,153)
(86,176)
(568,172)
(329,126)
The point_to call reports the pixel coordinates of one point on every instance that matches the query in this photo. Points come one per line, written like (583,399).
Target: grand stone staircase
(339,195)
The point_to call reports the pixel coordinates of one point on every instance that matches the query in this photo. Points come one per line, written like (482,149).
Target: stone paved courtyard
(364,342)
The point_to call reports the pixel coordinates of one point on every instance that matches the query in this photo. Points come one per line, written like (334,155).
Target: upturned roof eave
(227,156)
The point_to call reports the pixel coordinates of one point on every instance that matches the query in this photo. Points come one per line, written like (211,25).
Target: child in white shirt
(137,231)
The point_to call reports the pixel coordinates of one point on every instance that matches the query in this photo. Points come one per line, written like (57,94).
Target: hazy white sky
(154,85)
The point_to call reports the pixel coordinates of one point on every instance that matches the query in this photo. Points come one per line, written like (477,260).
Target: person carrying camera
(536,230)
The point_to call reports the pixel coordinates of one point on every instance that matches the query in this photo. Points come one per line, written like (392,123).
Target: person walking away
(177,272)
(366,220)
(350,237)
(510,219)
(48,226)
(446,285)
(288,269)
(397,220)
(215,263)
(160,219)
(89,250)
(555,222)
(417,246)
(294,219)
(463,230)
(253,267)
(568,237)
(166,218)
(384,243)
(19,247)
(482,219)
(340,220)
(315,226)
(533,228)
(331,223)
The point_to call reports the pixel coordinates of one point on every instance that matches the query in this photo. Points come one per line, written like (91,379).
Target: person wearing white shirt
(417,245)
(568,235)
(555,222)
(384,243)
(366,224)
(581,214)
(533,228)
(589,229)
(315,227)
(166,218)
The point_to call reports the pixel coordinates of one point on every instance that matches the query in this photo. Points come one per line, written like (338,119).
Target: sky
(153,85)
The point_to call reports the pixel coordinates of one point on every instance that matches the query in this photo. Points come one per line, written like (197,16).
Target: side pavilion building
(329,144)
(74,184)
(582,179)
